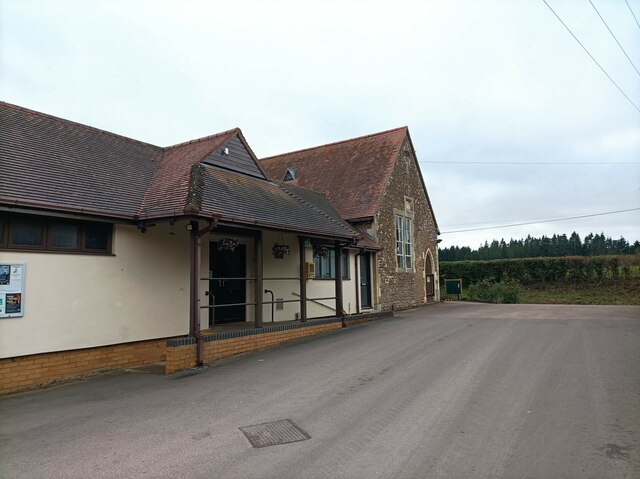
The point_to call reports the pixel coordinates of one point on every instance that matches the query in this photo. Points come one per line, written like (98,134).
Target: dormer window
(290,174)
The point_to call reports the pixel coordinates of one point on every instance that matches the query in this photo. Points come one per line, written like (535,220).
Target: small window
(3,230)
(63,236)
(27,233)
(97,237)
(325,265)
(290,174)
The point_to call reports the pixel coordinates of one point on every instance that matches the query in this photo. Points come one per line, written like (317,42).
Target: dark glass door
(227,264)
(365,280)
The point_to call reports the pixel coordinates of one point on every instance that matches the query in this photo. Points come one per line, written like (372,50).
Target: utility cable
(634,15)
(533,162)
(542,221)
(591,56)
(614,37)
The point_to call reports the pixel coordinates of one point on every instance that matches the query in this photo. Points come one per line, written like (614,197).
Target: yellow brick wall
(26,372)
(183,357)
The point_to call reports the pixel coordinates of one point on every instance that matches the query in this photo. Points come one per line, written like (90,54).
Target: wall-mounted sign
(12,290)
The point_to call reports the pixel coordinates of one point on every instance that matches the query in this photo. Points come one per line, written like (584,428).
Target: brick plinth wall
(26,372)
(181,352)
(182,356)
(35,370)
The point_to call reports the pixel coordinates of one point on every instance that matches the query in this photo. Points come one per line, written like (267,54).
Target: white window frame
(408,245)
(400,241)
(404,236)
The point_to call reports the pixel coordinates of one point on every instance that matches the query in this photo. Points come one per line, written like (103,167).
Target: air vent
(290,175)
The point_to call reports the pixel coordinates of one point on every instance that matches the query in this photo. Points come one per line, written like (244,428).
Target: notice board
(12,290)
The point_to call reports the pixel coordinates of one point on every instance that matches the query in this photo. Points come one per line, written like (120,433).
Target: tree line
(554,246)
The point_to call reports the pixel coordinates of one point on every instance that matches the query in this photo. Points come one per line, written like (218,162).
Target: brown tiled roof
(365,241)
(168,188)
(321,203)
(238,198)
(53,163)
(352,174)
(57,165)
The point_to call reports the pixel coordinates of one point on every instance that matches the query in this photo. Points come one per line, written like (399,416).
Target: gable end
(234,156)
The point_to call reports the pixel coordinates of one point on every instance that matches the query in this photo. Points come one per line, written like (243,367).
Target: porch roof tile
(243,199)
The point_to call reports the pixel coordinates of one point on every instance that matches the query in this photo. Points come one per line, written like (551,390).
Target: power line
(541,221)
(492,222)
(591,56)
(614,37)
(533,162)
(634,15)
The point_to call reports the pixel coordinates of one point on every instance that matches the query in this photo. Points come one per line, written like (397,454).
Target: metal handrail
(252,279)
(207,306)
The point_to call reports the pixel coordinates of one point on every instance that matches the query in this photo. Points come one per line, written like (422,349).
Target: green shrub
(487,291)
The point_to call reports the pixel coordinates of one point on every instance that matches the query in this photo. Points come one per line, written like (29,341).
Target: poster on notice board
(12,290)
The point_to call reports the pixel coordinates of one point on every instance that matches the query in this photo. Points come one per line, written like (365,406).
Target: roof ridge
(208,137)
(335,143)
(72,122)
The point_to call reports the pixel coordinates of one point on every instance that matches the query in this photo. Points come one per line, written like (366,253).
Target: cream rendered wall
(323,288)
(77,301)
(287,267)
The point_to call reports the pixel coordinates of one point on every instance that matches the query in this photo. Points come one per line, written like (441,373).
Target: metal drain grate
(274,433)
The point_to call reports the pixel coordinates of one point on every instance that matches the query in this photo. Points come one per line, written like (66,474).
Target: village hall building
(117,253)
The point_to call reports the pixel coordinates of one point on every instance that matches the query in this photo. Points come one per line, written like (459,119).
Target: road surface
(452,390)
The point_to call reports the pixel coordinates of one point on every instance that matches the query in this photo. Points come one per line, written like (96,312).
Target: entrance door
(429,277)
(227,264)
(365,280)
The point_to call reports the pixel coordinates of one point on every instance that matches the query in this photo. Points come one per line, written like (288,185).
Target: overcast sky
(475,81)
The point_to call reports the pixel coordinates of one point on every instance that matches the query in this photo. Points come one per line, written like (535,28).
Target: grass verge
(606,292)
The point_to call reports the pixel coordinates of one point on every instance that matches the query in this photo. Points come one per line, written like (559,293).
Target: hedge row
(543,270)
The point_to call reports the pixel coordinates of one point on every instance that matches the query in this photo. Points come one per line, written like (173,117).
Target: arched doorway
(429,278)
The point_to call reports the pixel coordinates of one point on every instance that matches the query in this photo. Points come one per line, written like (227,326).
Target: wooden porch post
(193,280)
(259,275)
(338,282)
(303,281)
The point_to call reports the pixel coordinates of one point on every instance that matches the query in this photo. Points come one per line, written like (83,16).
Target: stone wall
(401,289)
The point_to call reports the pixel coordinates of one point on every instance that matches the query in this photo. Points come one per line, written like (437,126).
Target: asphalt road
(445,391)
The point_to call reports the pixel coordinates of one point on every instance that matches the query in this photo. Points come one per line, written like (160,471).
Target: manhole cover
(274,433)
